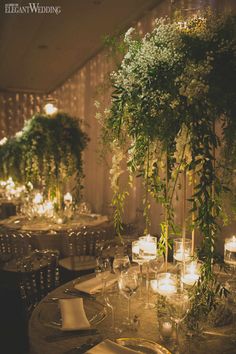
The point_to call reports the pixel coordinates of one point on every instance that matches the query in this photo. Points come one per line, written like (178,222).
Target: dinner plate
(143,346)
(50,314)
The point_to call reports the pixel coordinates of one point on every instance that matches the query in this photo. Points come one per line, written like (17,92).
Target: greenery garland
(168,81)
(46,152)
(171,90)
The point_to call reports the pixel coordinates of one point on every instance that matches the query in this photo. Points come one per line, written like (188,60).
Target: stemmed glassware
(103,270)
(138,259)
(121,263)
(156,264)
(179,305)
(128,285)
(110,298)
(148,251)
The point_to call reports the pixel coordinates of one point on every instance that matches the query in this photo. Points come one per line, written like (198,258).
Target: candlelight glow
(165,284)
(230,250)
(50,109)
(182,251)
(148,247)
(68,197)
(38,198)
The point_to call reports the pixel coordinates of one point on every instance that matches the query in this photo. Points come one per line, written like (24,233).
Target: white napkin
(93,285)
(109,347)
(73,314)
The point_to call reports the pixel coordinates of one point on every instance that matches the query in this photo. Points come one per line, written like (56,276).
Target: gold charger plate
(143,346)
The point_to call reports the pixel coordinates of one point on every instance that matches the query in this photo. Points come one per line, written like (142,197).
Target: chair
(14,245)
(84,246)
(39,276)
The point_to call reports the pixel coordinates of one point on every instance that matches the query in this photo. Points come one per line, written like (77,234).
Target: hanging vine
(171,88)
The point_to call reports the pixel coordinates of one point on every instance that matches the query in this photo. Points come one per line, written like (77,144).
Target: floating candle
(165,284)
(191,273)
(148,247)
(182,250)
(68,197)
(230,244)
(230,251)
(190,279)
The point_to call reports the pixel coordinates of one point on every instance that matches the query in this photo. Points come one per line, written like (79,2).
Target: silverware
(69,334)
(219,334)
(75,292)
(52,299)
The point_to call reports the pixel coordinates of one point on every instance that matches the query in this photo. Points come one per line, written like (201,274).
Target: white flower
(19,134)
(3,141)
(128,34)
(97,104)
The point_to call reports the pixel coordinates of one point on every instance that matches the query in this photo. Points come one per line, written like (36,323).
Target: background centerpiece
(46,154)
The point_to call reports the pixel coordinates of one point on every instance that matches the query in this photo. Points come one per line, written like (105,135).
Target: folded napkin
(109,347)
(93,285)
(73,314)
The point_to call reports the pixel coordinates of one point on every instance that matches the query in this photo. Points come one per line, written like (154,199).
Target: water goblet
(136,257)
(128,285)
(121,263)
(156,264)
(111,302)
(179,306)
(102,271)
(148,251)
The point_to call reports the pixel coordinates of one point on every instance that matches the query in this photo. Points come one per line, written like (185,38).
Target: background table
(54,236)
(44,340)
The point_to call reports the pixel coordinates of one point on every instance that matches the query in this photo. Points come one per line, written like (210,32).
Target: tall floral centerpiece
(46,153)
(173,105)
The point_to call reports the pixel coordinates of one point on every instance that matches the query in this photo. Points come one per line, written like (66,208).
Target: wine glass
(111,302)
(156,264)
(102,271)
(179,305)
(128,284)
(140,260)
(120,264)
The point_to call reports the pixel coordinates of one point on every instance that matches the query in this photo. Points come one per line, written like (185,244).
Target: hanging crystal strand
(42,277)
(184,217)
(213,195)
(166,216)
(193,215)
(57,270)
(35,295)
(23,295)
(147,227)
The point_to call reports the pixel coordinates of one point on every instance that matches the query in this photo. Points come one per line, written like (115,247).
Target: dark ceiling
(38,52)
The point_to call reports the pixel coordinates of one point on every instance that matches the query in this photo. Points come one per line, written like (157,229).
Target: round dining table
(46,336)
(46,234)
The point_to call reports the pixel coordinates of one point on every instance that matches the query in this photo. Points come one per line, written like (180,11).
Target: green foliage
(46,152)
(173,84)
(206,296)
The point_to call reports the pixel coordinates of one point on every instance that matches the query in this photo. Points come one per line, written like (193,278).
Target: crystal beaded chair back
(86,242)
(14,245)
(41,276)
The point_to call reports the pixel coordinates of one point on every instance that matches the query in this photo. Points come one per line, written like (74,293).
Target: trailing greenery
(206,296)
(174,83)
(173,105)
(46,152)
